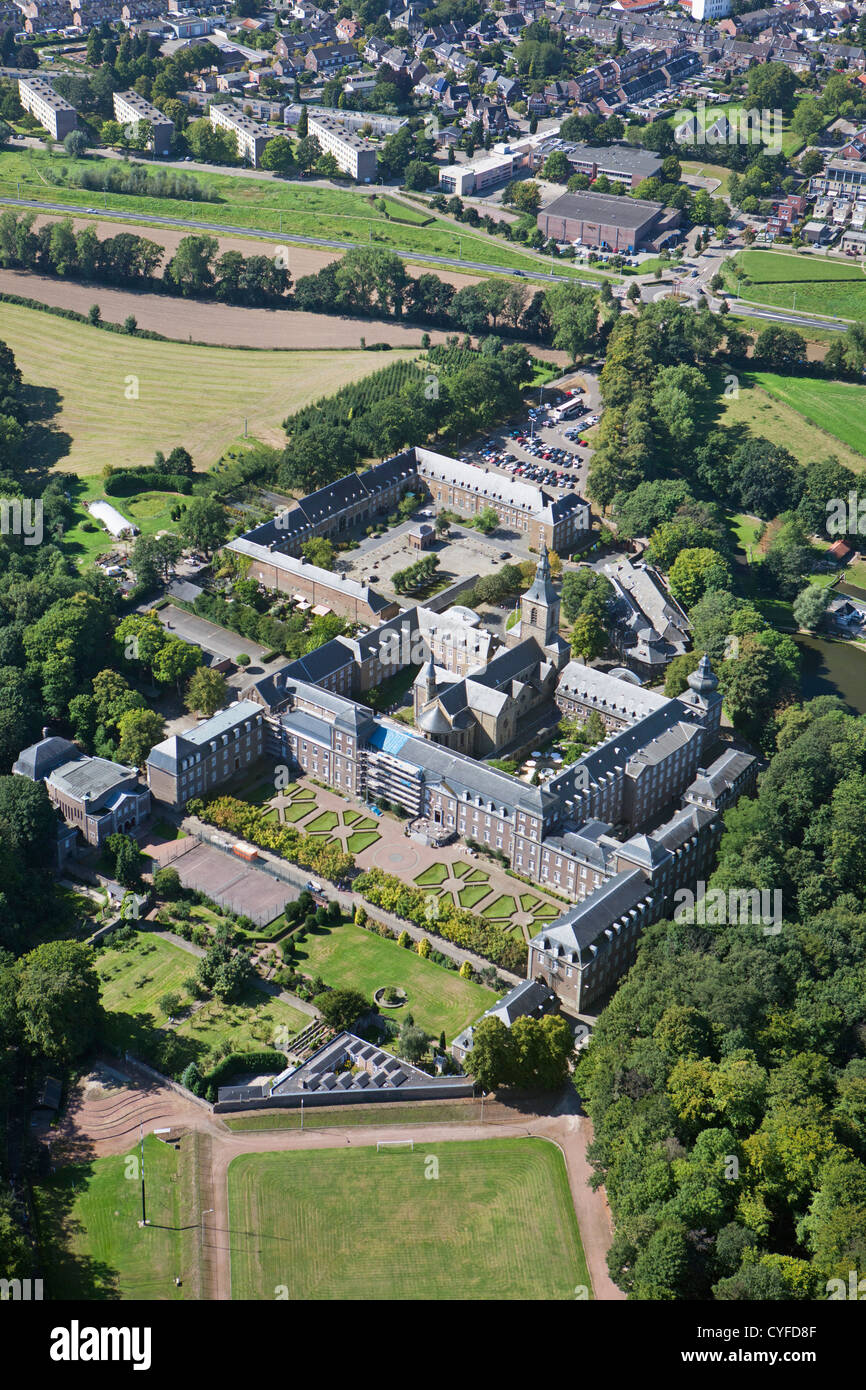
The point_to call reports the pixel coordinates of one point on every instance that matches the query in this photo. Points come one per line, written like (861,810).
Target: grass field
(497,1222)
(196,396)
(837,407)
(811,283)
(708,171)
(135,978)
(92,1245)
(763,129)
(347,955)
(356,1116)
(286,209)
(761,413)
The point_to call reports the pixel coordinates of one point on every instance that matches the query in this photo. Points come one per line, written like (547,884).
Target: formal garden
(469,886)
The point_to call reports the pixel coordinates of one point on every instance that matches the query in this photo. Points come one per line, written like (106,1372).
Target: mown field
(350,956)
(272,205)
(495,1220)
(784,416)
(808,282)
(837,407)
(91,1243)
(108,398)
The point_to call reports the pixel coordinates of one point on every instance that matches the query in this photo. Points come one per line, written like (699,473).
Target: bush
(240,1061)
(342,1007)
(242,659)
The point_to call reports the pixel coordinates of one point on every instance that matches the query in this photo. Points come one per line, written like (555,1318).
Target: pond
(833,668)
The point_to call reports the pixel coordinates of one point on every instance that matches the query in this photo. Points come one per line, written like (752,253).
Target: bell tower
(539,606)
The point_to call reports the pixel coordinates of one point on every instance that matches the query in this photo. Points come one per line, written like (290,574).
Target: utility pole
(141,1162)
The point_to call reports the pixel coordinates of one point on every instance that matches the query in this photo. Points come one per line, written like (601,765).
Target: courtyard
(379,839)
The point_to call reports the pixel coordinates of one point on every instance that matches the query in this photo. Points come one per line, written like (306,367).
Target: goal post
(384,1145)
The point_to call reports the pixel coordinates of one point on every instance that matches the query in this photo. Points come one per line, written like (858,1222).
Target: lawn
(436,874)
(285,208)
(92,1245)
(347,955)
(417,1112)
(503,907)
(328,820)
(810,283)
(135,978)
(297,809)
(762,413)
(196,396)
(475,893)
(837,407)
(708,171)
(361,1225)
(361,840)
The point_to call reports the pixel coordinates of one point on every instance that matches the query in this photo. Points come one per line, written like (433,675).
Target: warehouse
(606,221)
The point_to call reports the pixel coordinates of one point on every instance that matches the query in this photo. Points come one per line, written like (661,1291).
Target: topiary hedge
(127,483)
(240,1061)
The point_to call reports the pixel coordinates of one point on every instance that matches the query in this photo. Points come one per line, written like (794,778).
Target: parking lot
(546,449)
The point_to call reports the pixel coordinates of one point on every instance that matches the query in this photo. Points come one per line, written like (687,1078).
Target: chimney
(46,732)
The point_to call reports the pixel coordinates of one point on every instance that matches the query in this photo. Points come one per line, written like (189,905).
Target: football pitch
(470,1220)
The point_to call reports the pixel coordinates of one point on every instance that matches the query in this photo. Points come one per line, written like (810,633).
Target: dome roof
(433,721)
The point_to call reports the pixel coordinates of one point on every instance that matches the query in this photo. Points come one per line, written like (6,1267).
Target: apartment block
(355,155)
(132,109)
(251,136)
(51,111)
(204,758)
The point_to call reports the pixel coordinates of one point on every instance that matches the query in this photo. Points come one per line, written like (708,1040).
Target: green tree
(342,1008)
(58,1000)
(139,730)
(695,571)
(588,637)
(207,691)
(205,524)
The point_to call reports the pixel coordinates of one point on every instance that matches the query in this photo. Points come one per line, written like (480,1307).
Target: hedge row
(241,1061)
(126,484)
(443,919)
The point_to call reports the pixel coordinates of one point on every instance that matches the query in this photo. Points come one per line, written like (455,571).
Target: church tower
(539,606)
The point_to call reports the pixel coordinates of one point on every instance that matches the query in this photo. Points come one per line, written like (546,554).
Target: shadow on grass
(67,1274)
(46,444)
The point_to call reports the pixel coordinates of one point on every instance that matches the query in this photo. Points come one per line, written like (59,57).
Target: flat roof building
(624,164)
(354,154)
(251,136)
(606,221)
(51,111)
(476,176)
(132,109)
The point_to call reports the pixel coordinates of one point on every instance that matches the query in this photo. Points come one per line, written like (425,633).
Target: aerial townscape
(433,664)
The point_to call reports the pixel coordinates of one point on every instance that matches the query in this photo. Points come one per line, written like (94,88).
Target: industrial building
(608,222)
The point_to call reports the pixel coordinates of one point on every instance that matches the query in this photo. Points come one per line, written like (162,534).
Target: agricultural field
(499,1223)
(270,205)
(438,999)
(202,397)
(836,407)
(135,979)
(759,409)
(91,1242)
(808,282)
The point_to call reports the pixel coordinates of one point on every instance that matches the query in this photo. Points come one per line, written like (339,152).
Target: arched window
(534,617)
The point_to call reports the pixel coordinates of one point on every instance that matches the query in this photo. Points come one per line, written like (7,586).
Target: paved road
(224,229)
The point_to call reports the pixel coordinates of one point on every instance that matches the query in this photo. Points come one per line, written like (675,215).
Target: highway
(225,229)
